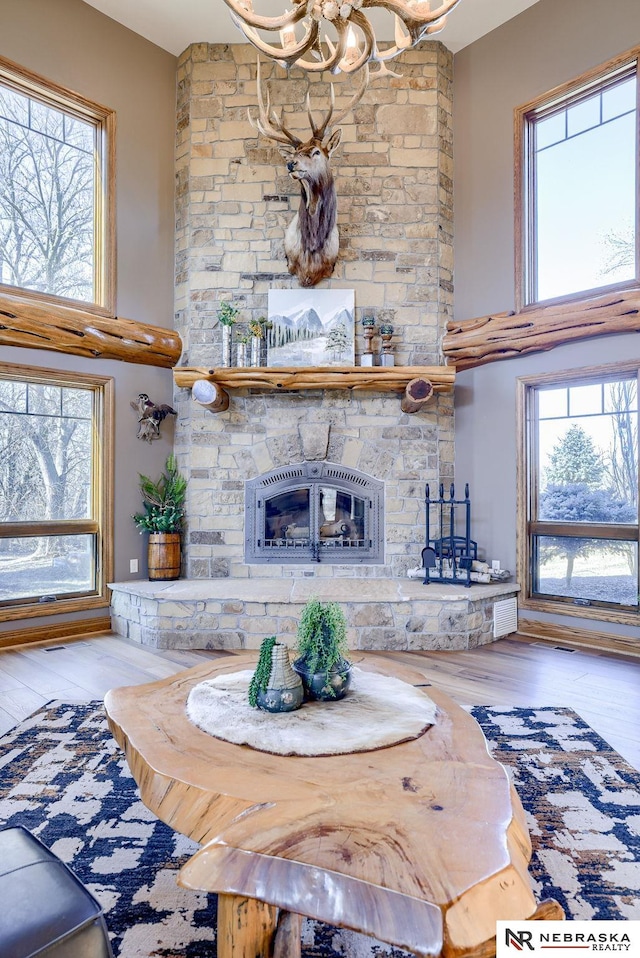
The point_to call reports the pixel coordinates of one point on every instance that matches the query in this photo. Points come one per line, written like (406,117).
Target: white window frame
(103,119)
(100,523)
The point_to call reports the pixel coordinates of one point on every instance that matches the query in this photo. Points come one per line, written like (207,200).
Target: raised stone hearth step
(382,614)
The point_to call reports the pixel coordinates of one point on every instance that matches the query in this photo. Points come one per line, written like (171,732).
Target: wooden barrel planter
(164,555)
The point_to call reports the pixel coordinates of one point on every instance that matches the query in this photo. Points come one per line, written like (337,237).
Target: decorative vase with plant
(163,503)
(257,330)
(241,349)
(227,317)
(322,651)
(274,686)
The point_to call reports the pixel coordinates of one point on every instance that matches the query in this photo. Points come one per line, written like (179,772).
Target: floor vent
(55,648)
(505,617)
(554,648)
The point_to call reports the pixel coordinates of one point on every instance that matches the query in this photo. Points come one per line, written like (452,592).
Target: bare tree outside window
(47,192)
(45,476)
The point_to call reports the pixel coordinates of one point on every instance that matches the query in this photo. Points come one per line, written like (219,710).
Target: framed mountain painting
(311,327)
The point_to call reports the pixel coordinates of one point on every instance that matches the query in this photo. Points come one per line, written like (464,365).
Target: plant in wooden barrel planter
(163,503)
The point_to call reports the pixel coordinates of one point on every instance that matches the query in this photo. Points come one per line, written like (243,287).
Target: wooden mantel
(399,379)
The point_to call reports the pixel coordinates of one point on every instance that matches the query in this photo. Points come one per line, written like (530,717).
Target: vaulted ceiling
(174,24)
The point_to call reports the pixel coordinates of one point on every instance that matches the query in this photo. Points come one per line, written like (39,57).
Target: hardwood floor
(603,689)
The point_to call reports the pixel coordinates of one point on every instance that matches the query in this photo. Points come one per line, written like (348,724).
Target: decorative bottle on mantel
(387,357)
(369,325)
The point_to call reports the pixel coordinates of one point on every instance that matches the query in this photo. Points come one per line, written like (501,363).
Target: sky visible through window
(585,180)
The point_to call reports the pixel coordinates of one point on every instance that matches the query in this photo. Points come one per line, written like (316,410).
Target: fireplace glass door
(320,513)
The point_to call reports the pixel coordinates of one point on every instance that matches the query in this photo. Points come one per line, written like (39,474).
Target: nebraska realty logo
(560,938)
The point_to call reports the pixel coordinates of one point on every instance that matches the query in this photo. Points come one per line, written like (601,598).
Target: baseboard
(61,630)
(577,638)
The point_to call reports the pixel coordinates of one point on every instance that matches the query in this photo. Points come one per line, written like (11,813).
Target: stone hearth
(381,614)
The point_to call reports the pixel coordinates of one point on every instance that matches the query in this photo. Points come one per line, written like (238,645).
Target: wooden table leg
(246,927)
(288,941)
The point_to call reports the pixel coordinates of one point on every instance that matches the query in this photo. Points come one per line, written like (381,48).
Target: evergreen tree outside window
(56,197)
(578,492)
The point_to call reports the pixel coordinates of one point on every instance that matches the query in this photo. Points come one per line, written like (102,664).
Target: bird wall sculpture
(150,415)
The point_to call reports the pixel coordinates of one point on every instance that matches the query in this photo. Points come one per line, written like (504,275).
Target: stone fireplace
(395,215)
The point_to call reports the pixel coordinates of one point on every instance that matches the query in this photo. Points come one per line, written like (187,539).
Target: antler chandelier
(299,31)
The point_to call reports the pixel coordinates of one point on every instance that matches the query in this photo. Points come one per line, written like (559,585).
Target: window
(56,193)
(55,491)
(578,493)
(577,175)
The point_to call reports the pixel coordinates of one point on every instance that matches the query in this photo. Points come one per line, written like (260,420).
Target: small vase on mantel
(226,345)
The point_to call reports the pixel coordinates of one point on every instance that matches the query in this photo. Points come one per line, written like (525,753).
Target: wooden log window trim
(40,91)
(98,521)
(530,470)
(488,339)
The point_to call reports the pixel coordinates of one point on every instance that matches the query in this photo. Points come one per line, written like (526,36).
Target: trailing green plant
(322,636)
(228,313)
(262,674)
(163,501)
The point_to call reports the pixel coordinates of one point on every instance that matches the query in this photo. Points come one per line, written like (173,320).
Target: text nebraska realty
(599,941)
(596,941)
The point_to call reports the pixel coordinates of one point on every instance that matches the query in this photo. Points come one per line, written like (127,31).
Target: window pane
(597,570)
(47,199)
(585,400)
(46,120)
(46,566)
(588,461)
(79,134)
(14,106)
(585,210)
(619,99)
(46,461)
(583,116)
(551,130)
(552,403)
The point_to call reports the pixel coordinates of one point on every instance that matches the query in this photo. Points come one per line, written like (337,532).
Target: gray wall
(72,44)
(552,42)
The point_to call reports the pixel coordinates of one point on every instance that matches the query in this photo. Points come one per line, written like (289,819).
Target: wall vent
(505,617)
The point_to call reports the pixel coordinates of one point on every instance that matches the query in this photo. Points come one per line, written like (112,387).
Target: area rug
(63,777)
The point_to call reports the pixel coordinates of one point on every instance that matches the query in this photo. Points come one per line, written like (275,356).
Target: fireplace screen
(314,512)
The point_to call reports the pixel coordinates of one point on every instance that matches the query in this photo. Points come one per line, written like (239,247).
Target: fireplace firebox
(314,512)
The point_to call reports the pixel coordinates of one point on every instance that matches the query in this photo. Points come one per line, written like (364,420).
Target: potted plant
(322,651)
(163,503)
(227,317)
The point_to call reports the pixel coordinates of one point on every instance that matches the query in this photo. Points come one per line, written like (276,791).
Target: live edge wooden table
(422,845)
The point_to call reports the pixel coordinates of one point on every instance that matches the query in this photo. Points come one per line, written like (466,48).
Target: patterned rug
(64,778)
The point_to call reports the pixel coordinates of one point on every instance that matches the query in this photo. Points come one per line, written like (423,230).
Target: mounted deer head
(311,241)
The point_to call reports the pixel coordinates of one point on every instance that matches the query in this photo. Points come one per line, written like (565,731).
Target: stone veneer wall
(393,177)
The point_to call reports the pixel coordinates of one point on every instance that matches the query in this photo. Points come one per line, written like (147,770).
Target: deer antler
(320,130)
(415,20)
(267,122)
